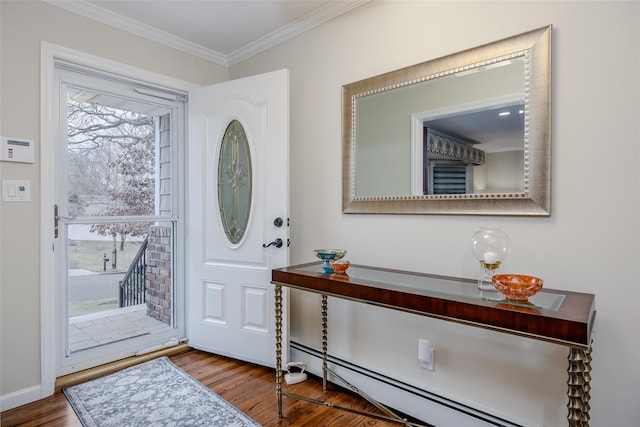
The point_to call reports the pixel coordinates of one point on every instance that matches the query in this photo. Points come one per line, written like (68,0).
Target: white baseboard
(428,407)
(20,397)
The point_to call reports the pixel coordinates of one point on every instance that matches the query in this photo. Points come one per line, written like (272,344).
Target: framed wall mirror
(465,134)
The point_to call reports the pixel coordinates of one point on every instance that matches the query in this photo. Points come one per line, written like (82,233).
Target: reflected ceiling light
(504,113)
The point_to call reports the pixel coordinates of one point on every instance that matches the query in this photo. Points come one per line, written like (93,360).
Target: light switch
(16,191)
(11,190)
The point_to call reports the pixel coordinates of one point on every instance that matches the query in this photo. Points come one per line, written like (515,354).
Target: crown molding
(306,23)
(320,16)
(121,22)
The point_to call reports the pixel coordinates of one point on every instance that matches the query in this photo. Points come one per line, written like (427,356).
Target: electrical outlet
(425,354)
(427,365)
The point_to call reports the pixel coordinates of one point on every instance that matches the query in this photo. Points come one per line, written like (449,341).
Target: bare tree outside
(111,154)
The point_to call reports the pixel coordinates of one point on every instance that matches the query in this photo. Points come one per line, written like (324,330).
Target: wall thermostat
(17,150)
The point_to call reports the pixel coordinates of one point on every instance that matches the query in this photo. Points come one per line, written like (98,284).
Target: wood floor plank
(249,387)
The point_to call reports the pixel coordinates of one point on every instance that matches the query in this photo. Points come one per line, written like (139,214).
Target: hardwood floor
(249,387)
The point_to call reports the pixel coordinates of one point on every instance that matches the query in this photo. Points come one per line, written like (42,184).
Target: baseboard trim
(20,397)
(418,403)
(31,394)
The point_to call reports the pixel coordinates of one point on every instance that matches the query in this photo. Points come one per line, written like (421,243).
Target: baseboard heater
(421,404)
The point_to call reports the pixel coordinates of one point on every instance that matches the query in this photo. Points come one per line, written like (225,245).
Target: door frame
(49,53)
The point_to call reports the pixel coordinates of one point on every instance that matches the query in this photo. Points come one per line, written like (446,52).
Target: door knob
(277,243)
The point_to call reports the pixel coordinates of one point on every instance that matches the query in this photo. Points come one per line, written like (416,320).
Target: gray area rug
(155,393)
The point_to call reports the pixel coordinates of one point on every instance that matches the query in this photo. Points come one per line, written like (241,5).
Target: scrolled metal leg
(579,388)
(324,342)
(278,325)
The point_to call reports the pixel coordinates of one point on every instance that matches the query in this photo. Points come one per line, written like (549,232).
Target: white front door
(238,202)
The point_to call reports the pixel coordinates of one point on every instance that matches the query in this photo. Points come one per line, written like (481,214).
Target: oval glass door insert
(234,182)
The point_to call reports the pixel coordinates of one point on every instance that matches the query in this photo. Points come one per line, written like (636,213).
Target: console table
(555,316)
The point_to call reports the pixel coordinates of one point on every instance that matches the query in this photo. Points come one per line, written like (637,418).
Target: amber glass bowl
(517,287)
(340,266)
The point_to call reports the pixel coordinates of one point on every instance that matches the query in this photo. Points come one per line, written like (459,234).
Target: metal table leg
(278,326)
(324,342)
(579,386)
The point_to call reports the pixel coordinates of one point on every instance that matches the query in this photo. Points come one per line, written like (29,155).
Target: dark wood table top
(557,316)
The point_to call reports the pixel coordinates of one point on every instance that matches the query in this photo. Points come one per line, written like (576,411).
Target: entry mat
(155,393)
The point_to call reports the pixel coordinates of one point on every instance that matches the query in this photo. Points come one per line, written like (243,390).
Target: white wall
(589,244)
(505,171)
(24,24)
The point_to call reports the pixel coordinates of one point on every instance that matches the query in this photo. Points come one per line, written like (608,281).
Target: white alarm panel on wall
(17,150)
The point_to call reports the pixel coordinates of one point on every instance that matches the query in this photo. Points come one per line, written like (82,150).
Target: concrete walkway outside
(105,327)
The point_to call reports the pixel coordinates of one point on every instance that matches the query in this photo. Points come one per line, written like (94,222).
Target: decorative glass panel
(234,182)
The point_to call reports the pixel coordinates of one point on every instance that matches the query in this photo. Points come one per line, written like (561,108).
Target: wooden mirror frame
(535,200)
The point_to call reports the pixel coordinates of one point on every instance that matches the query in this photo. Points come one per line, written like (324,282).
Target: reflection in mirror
(450,136)
(467,133)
